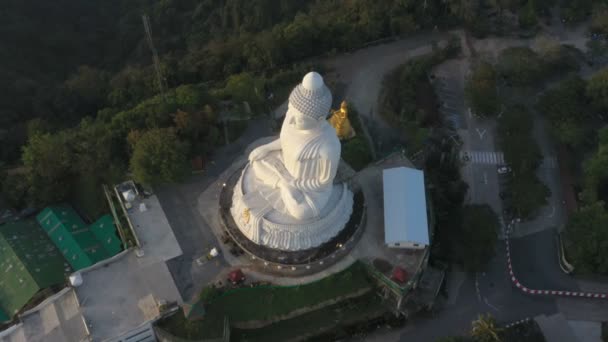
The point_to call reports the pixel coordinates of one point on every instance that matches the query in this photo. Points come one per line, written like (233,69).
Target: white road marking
(485,178)
(480,132)
(485,300)
(484,157)
(501,157)
(552,211)
(477,287)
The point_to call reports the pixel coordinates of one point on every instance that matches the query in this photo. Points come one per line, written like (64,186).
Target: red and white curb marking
(530,291)
(521,321)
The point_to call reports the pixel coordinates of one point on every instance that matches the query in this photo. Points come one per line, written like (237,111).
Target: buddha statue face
(300,121)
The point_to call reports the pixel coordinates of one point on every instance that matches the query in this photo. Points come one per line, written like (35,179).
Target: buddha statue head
(309,103)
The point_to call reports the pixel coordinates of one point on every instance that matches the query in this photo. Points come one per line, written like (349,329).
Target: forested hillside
(66,60)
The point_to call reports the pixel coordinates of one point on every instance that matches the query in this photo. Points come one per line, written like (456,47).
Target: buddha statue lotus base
(279,230)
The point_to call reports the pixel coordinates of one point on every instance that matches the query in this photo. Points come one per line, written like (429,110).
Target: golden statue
(339,121)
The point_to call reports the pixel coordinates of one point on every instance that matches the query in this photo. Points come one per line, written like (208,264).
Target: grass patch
(266,303)
(359,309)
(263,303)
(181,327)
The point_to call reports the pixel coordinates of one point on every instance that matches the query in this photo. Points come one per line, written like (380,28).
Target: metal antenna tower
(159,77)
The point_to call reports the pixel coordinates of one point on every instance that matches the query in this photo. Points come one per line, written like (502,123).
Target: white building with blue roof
(405,212)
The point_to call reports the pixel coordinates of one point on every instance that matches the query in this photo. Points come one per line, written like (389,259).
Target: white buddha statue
(286,198)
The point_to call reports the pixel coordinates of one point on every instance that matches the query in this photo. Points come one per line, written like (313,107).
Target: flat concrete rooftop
(153,231)
(57,319)
(124,294)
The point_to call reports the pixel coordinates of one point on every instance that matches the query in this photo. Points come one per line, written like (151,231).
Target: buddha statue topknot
(286,197)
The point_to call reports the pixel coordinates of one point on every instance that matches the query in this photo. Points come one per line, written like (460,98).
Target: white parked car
(503,169)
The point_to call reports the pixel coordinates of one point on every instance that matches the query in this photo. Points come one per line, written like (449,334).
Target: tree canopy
(481,90)
(587,231)
(523,155)
(566,110)
(159,157)
(596,171)
(520,65)
(597,89)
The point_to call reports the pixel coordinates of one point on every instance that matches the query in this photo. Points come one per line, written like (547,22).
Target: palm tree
(484,329)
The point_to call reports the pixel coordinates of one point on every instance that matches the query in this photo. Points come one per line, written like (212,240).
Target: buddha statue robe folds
(286,197)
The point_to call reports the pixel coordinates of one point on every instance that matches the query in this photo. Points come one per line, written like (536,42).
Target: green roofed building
(4,317)
(105,232)
(29,262)
(77,242)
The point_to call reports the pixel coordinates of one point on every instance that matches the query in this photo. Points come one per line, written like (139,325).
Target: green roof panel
(3,316)
(105,232)
(29,262)
(72,236)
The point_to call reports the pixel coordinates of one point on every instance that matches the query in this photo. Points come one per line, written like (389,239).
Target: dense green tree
(596,171)
(523,155)
(479,236)
(587,231)
(245,87)
(565,107)
(356,152)
(90,86)
(15,190)
(48,160)
(521,66)
(466,10)
(599,20)
(521,151)
(92,149)
(130,86)
(597,89)
(575,10)
(527,194)
(37,126)
(527,16)
(481,90)
(159,157)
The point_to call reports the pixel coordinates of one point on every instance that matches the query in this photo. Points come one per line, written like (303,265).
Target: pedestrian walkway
(450,102)
(475,157)
(498,158)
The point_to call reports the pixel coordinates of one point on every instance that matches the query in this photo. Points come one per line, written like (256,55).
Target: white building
(405,214)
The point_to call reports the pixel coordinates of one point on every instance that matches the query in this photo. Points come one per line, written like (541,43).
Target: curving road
(534,253)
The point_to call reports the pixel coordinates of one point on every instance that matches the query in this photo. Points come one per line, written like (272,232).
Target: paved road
(534,253)
(533,249)
(179,201)
(363,71)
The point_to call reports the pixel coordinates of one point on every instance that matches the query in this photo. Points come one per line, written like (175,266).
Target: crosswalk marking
(498,158)
(481,157)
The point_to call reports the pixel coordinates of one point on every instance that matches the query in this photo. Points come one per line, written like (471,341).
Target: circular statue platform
(293,262)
